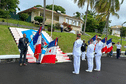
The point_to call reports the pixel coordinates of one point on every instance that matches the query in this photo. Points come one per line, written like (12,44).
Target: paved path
(113,72)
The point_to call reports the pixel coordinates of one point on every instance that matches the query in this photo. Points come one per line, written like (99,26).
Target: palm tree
(81,3)
(105,8)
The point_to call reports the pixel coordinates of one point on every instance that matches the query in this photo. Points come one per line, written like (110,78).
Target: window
(67,21)
(74,22)
(70,21)
(77,23)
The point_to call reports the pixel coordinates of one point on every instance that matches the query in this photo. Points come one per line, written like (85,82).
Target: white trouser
(76,64)
(98,62)
(90,63)
(83,55)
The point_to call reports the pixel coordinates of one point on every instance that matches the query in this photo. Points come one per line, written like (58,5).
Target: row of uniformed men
(90,54)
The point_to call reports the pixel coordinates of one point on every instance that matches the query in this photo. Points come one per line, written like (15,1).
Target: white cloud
(71,8)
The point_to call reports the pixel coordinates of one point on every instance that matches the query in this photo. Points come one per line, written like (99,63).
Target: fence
(11,24)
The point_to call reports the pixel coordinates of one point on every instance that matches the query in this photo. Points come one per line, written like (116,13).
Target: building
(116,30)
(58,17)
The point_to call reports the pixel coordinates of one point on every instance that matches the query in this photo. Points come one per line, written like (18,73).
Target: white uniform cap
(99,38)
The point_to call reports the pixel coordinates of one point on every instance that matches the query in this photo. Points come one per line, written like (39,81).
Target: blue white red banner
(50,55)
(37,43)
(109,45)
(104,45)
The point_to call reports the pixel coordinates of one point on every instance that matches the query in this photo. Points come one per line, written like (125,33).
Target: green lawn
(67,39)
(18,22)
(7,43)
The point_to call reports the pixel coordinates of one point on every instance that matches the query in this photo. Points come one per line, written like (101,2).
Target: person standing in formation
(77,54)
(98,54)
(83,49)
(61,27)
(90,56)
(23,48)
(118,50)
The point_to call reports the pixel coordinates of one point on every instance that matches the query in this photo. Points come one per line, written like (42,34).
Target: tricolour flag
(94,40)
(104,44)
(50,55)
(109,45)
(37,43)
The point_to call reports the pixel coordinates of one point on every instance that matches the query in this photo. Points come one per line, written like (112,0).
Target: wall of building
(116,32)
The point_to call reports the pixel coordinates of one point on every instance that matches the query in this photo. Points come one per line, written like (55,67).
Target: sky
(72,7)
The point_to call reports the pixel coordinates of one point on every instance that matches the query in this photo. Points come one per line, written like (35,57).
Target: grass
(18,22)
(7,43)
(67,39)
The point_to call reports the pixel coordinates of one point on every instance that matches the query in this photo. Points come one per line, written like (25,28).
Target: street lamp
(52,17)
(121,32)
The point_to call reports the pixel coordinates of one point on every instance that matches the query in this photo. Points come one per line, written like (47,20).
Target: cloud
(71,8)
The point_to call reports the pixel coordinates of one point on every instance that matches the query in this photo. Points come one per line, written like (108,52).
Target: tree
(105,8)
(9,5)
(81,3)
(23,16)
(92,23)
(38,6)
(123,32)
(39,19)
(4,14)
(77,14)
(56,8)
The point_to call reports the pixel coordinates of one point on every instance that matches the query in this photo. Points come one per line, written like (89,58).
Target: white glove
(19,50)
(28,44)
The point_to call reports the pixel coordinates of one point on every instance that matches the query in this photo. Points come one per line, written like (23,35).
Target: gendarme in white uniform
(118,46)
(98,54)
(90,56)
(77,54)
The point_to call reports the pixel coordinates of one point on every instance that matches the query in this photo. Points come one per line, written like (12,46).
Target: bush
(39,19)
(65,24)
(68,26)
(3,20)
(49,27)
(57,25)
(23,16)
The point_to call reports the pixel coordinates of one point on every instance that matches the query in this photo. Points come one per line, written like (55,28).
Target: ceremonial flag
(50,55)
(109,46)
(104,43)
(94,40)
(37,43)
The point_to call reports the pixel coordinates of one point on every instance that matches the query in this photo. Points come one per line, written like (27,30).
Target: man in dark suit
(23,48)
(83,49)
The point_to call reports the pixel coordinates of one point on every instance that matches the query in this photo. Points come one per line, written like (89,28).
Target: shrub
(65,24)
(23,16)
(57,25)
(39,19)
(49,27)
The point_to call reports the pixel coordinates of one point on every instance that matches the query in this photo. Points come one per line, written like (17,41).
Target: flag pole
(52,17)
